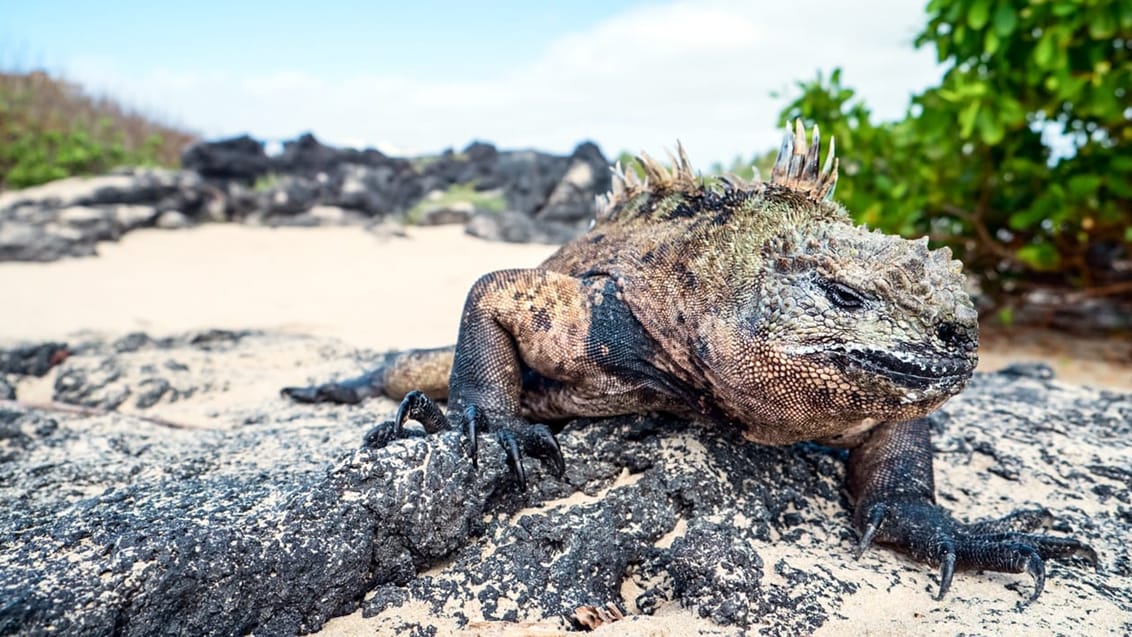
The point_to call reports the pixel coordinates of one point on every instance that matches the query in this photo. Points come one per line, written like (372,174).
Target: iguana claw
(517,437)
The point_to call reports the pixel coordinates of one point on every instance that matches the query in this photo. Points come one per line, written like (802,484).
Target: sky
(418,77)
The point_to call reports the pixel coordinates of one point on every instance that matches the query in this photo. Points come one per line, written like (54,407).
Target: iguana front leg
(890,476)
(513,321)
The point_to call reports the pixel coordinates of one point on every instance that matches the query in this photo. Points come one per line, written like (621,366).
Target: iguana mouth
(915,372)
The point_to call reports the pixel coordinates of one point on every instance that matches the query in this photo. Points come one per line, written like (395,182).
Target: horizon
(628,75)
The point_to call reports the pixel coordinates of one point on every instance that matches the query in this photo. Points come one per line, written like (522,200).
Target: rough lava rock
(566,212)
(240,159)
(203,503)
(32,360)
(572,200)
(515,227)
(70,216)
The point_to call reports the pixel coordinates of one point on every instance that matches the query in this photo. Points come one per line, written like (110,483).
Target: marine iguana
(756,304)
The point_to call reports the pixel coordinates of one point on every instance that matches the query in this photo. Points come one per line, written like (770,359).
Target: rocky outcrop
(186,497)
(69,217)
(235,159)
(533,196)
(567,201)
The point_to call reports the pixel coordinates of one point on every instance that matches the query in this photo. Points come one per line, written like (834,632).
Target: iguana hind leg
(890,475)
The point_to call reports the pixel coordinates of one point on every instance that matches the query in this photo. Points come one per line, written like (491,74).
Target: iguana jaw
(918,372)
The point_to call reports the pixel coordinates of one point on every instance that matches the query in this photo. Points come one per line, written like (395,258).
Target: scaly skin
(756,305)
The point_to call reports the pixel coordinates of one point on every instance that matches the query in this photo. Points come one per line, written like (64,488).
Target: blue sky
(415,77)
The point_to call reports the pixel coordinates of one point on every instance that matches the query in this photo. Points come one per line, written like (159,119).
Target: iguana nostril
(957,335)
(948,332)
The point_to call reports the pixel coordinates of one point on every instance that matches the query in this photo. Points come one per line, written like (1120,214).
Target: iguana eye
(843,296)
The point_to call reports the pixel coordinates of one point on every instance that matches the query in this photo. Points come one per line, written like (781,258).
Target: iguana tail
(400,373)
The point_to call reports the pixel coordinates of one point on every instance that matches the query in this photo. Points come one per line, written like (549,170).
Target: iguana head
(856,326)
(864,325)
(783,314)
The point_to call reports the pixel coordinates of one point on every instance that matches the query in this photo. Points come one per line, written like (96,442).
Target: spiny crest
(796,168)
(658,180)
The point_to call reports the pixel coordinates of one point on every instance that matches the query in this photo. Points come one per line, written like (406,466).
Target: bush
(50,129)
(973,164)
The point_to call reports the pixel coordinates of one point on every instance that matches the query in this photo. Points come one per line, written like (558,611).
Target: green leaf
(1043,53)
(1125,9)
(1120,188)
(1039,256)
(1103,25)
(1082,185)
(978,15)
(1010,111)
(990,129)
(1005,19)
(1122,163)
(1066,8)
(1026,218)
(990,43)
(967,119)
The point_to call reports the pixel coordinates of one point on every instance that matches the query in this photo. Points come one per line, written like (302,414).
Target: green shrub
(968,165)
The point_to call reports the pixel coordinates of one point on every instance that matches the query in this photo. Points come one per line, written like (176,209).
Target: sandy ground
(369,290)
(372,291)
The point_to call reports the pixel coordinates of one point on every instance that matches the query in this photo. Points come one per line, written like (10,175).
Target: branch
(1108,290)
(984,235)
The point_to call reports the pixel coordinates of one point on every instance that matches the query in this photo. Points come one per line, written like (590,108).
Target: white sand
(347,283)
(342,282)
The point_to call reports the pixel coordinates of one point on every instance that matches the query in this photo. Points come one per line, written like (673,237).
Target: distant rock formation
(503,195)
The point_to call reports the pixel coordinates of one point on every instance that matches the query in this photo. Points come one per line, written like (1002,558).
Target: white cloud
(698,71)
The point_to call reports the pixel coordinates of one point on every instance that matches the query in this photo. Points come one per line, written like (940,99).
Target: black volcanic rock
(239,159)
(250,514)
(535,196)
(32,360)
(572,199)
(307,156)
(70,216)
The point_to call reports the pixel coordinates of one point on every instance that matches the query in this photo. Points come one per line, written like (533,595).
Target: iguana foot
(517,437)
(929,534)
(349,392)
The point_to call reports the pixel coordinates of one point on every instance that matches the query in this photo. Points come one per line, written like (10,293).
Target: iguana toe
(416,405)
(518,439)
(383,434)
(510,443)
(539,442)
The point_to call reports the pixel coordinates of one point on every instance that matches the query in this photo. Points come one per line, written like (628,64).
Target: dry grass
(50,128)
